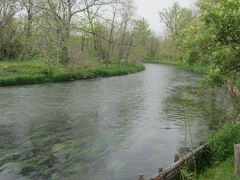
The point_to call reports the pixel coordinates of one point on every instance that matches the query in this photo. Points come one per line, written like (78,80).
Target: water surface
(108,128)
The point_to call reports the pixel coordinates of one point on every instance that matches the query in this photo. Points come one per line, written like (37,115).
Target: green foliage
(145,42)
(211,39)
(225,171)
(223,19)
(74,32)
(141,31)
(221,143)
(214,40)
(36,71)
(186,174)
(175,18)
(216,161)
(192,57)
(214,77)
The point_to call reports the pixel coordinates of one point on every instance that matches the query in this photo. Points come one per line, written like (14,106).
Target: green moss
(36,71)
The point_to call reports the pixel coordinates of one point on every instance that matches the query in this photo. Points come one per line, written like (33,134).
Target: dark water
(110,128)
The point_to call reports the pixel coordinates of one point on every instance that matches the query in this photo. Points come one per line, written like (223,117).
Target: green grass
(220,152)
(36,71)
(216,162)
(223,171)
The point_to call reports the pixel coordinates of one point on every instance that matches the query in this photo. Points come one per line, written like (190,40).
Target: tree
(29,8)
(126,14)
(142,36)
(65,31)
(175,19)
(8,45)
(111,34)
(63,13)
(226,33)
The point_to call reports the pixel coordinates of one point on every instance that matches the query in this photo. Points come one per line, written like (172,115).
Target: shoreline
(216,153)
(14,74)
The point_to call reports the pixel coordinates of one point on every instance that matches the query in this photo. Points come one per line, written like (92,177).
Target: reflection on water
(110,128)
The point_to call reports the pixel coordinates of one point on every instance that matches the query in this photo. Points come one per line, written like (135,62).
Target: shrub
(221,143)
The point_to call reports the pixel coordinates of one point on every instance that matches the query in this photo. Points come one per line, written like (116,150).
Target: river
(106,128)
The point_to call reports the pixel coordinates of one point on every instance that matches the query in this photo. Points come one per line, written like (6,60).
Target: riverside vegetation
(217,160)
(208,42)
(71,40)
(33,72)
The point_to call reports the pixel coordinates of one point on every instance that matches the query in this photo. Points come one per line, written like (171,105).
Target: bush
(192,57)
(221,143)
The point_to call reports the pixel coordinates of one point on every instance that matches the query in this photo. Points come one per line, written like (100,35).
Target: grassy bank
(224,171)
(216,162)
(36,71)
(220,153)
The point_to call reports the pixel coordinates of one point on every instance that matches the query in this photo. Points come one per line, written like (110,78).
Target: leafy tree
(223,22)
(175,19)
(145,42)
(8,29)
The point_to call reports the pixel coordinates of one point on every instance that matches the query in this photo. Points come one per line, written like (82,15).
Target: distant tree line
(74,32)
(81,32)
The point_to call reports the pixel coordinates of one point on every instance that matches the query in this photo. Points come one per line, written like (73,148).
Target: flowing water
(107,128)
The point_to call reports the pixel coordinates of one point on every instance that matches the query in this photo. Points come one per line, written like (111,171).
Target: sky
(149,9)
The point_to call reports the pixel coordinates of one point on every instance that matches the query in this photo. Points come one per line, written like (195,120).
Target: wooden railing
(173,171)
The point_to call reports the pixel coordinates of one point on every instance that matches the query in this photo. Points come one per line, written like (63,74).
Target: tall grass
(221,143)
(216,157)
(220,153)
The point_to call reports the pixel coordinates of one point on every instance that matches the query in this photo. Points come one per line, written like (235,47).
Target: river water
(107,128)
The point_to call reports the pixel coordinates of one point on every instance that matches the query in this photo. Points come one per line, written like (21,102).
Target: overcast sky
(149,9)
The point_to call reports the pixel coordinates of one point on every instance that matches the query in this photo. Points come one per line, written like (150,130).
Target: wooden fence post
(237,158)
(141,177)
(176,158)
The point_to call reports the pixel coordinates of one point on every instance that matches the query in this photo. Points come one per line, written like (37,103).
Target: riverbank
(37,71)
(220,153)
(211,161)
(225,171)
(219,163)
